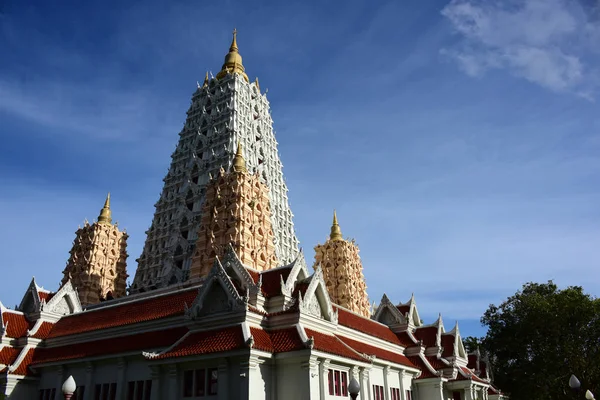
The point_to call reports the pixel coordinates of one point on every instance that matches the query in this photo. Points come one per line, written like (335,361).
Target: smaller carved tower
(97,265)
(236,211)
(343,271)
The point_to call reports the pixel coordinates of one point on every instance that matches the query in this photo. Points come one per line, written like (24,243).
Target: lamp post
(69,387)
(353,388)
(576,385)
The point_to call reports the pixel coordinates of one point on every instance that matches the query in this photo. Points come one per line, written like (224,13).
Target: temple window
(408,395)
(338,383)
(47,394)
(378,393)
(395,392)
(455,395)
(139,390)
(200,383)
(105,391)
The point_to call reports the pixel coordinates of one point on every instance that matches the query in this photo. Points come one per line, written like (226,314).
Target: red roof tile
(448,345)
(472,361)
(123,344)
(46,296)
(405,339)
(271,281)
(206,342)
(364,348)
(366,325)
(425,372)
(427,334)
(493,390)
(23,369)
(278,341)
(168,305)
(470,375)
(436,363)
(8,355)
(332,345)
(44,330)
(403,309)
(17,324)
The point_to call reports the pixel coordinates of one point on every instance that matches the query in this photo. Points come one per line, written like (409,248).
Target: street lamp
(576,385)
(353,388)
(69,387)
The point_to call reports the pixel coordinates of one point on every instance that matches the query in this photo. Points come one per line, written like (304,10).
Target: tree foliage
(540,336)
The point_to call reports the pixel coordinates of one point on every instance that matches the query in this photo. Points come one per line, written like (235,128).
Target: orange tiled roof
(333,345)
(23,369)
(436,362)
(366,325)
(278,341)
(8,355)
(126,313)
(364,348)
(17,324)
(44,330)
(405,339)
(469,375)
(130,343)
(206,342)
(46,296)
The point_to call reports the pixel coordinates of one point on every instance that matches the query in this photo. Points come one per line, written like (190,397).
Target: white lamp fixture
(574,382)
(69,387)
(589,395)
(353,388)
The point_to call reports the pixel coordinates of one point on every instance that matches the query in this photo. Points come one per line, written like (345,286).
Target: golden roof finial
(233,61)
(205,80)
(336,232)
(105,214)
(239,164)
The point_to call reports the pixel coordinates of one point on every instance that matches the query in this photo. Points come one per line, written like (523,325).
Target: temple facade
(223,304)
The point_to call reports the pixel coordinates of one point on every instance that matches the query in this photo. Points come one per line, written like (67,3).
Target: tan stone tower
(236,211)
(97,265)
(343,271)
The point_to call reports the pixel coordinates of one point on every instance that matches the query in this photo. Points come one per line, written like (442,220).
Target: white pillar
(121,384)
(401,376)
(223,378)
(311,368)
(323,378)
(173,385)
(155,376)
(59,379)
(386,386)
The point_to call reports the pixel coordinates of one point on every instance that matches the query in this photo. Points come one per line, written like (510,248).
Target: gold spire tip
(105,216)
(239,164)
(336,232)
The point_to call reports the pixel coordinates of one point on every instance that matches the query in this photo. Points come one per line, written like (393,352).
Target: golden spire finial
(239,164)
(205,80)
(233,61)
(105,216)
(336,232)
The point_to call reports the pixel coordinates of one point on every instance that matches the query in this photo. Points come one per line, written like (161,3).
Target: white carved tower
(225,111)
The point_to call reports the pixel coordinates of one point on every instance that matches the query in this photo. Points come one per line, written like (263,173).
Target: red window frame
(336,378)
(330,381)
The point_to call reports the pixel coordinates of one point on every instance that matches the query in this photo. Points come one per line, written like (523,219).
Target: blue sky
(459,141)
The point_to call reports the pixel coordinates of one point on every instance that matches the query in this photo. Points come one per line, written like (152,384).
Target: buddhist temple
(223,304)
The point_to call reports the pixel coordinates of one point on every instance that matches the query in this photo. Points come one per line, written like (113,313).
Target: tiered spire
(343,272)
(97,265)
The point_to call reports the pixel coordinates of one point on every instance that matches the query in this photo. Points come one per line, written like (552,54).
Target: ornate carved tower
(236,211)
(225,111)
(97,265)
(343,271)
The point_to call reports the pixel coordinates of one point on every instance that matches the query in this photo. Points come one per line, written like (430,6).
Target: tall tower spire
(105,216)
(97,262)
(226,115)
(343,271)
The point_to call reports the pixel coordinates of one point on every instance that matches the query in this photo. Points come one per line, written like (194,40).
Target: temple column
(59,380)
(311,366)
(173,384)
(401,376)
(121,383)
(89,381)
(155,376)
(223,378)
(386,386)
(324,378)
(365,384)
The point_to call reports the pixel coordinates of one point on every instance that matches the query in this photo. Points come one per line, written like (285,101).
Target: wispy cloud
(547,42)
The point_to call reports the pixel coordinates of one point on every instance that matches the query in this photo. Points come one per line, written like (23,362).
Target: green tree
(540,336)
(472,343)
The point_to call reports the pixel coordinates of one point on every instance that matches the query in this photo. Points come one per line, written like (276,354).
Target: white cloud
(547,42)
